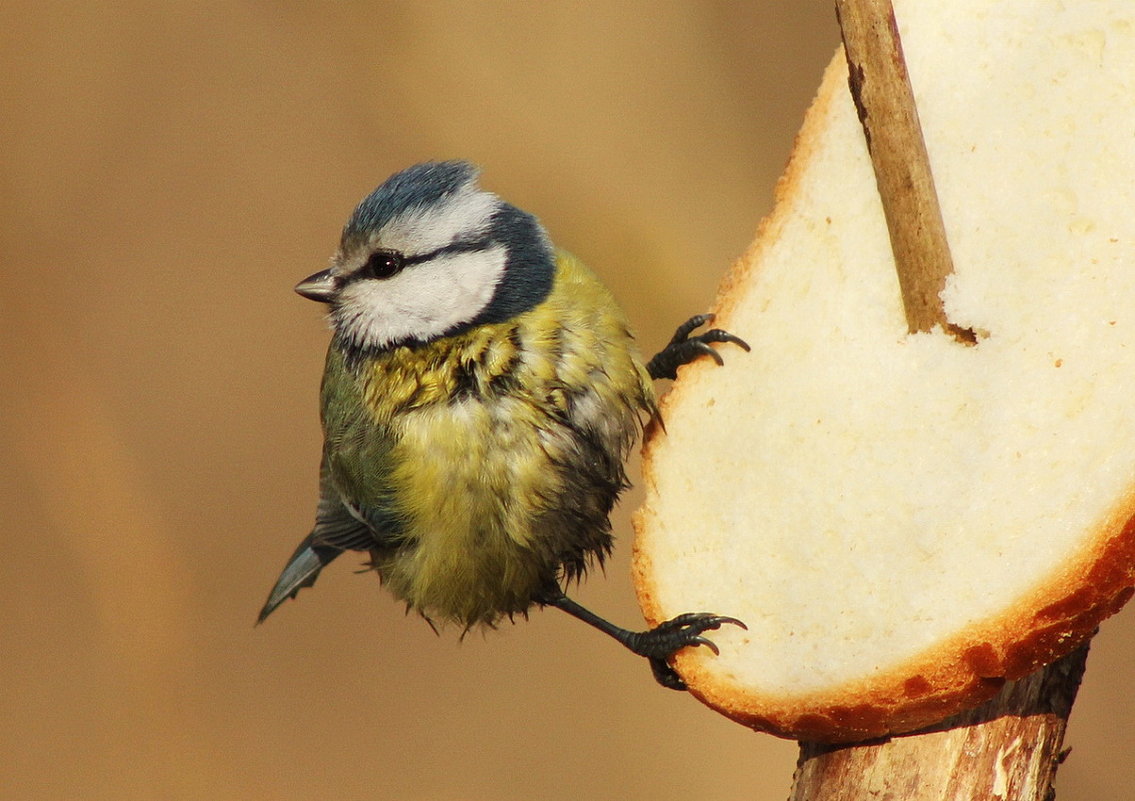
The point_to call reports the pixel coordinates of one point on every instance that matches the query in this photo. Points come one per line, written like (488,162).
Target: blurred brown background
(169,171)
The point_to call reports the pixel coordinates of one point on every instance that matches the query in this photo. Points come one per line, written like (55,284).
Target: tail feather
(301,571)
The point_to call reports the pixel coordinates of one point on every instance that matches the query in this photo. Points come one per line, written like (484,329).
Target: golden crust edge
(732,284)
(970,667)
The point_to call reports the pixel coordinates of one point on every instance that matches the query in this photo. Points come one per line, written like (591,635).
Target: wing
(338,526)
(337,529)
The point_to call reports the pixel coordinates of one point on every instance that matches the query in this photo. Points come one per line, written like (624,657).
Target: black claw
(722,620)
(702,347)
(683,348)
(708,643)
(717,335)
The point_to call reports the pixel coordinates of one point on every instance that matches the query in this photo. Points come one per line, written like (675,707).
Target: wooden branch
(880,87)
(1008,749)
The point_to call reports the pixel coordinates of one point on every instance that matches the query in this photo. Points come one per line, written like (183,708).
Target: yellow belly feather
(483,424)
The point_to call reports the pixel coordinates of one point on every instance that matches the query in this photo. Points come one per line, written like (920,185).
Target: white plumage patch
(465,213)
(423,301)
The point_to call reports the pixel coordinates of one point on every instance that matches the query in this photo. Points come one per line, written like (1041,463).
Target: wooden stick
(1009,747)
(884,99)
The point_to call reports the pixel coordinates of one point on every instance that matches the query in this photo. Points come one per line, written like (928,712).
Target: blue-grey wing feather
(337,529)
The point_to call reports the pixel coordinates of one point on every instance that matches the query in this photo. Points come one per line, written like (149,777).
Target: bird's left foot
(683,349)
(667,638)
(657,644)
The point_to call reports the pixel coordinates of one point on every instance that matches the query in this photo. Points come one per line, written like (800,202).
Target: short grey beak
(320,287)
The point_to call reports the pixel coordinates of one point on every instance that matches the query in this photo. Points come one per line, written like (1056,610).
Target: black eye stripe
(384,263)
(460,246)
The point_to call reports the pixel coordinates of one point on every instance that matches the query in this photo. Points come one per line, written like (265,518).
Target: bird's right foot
(683,349)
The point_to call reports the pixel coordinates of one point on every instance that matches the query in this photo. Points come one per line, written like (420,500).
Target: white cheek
(467,212)
(421,302)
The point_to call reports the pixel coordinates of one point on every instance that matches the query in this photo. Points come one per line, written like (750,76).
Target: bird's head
(429,254)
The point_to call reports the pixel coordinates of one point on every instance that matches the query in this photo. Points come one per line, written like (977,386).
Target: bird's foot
(667,638)
(657,644)
(683,349)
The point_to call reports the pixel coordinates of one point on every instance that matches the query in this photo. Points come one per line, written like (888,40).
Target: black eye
(383,264)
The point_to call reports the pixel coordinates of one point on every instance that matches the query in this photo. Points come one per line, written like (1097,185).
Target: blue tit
(481,392)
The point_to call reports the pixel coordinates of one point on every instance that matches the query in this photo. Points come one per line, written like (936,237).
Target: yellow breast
(507,450)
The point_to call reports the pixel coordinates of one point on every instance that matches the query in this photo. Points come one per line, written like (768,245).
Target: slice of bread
(904,521)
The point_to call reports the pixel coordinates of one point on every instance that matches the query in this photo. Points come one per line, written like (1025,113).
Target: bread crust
(957,674)
(1059,614)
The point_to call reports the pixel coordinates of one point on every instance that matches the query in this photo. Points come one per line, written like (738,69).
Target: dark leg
(659,643)
(683,348)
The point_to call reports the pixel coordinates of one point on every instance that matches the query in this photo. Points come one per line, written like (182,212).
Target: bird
(481,392)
